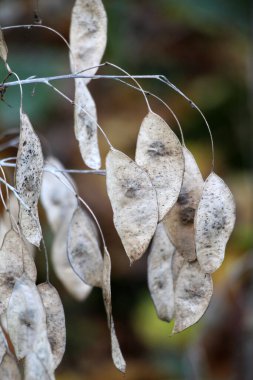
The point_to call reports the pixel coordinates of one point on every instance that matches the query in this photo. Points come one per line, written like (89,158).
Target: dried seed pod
(3,345)
(117,356)
(9,369)
(59,203)
(179,222)
(160,279)
(55,320)
(74,285)
(134,203)
(159,152)
(193,292)
(83,249)
(86,125)
(214,223)
(3,47)
(88,35)
(11,266)
(25,316)
(29,170)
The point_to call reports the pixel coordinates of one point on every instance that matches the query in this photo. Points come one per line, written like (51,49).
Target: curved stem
(84,110)
(193,105)
(163,102)
(82,201)
(131,77)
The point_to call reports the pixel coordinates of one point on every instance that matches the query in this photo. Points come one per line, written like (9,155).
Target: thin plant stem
(15,192)
(77,171)
(165,80)
(84,110)
(81,200)
(161,101)
(136,82)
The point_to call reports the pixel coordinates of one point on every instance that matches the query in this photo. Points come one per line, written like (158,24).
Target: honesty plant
(160,203)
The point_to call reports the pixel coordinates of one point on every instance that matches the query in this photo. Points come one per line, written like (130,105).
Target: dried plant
(160,203)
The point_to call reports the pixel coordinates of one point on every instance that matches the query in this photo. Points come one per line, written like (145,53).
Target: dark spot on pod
(219,224)
(160,284)
(24,143)
(157,149)
(183,199)
(187,215)
(132,189)
(89,130)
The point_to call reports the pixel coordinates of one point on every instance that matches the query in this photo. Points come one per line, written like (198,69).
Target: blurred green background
(204,48)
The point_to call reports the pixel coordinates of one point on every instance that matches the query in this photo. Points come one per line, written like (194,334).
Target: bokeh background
(205,48)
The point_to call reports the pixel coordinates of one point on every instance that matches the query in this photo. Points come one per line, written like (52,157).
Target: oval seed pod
(55,319)
(214,223)
(193,292)
(59,203)
(11,266)
(29,168)
(117,356)
(86,125)
(88,35)
(25,316)
(134,203)
(179,222)
(160,279)
(74,285)
(159,152)
(3,47)
(9,369)
(83,249)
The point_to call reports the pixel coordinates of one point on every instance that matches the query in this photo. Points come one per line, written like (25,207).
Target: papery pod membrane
(29,168)
(60,203)
(3,345)
(214,223)
(88,35)
(160,279)
(3,47)
(74,285)
(193,292)
(39,362)
(57,198)
(6,225)
(117,356)
(9,369)
(83,249)
(25,316)
(11,266)
(177,263)
(55,320)
(86,125)
(134,203)
(179,222)
(159,152)
(29,266)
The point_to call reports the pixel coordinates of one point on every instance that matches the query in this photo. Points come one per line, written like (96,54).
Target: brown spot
(187,215)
